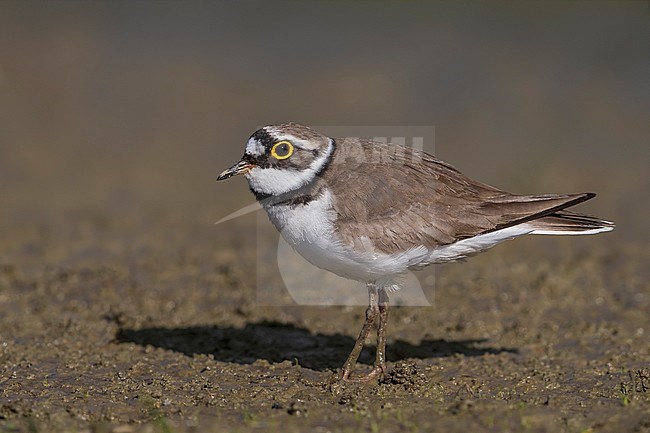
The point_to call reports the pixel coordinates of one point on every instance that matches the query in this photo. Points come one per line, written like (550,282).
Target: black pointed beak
(241,167)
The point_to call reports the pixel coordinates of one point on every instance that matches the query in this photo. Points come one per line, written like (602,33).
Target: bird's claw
(377,373)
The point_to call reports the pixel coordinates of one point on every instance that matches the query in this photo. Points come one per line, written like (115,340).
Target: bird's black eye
(282,150)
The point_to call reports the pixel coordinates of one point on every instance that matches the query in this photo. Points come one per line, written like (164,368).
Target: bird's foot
(377,373)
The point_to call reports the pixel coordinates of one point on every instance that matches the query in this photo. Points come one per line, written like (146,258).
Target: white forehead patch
(254,147)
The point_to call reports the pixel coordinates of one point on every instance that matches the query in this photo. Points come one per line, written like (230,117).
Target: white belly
(309,229)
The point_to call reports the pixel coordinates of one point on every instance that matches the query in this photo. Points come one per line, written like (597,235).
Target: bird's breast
(310,229)
(303,221)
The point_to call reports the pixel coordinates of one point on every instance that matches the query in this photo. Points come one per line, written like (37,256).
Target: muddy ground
(120,326)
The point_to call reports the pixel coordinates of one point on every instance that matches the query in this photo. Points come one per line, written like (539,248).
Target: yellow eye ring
(282,150)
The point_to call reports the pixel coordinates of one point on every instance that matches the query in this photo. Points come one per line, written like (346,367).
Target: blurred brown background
(126,111)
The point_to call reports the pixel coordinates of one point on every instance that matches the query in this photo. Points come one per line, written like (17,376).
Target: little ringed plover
(370,211)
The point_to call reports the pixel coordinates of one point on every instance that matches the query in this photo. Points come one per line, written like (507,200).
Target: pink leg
(378,306)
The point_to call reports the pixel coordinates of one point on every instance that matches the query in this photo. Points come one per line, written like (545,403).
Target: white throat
(276,181)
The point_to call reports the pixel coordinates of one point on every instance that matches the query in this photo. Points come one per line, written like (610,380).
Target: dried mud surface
(120,326)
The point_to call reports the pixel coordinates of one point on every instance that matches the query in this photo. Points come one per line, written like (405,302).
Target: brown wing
(399,199)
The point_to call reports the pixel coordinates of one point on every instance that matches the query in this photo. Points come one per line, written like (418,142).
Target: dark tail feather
(569,223)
